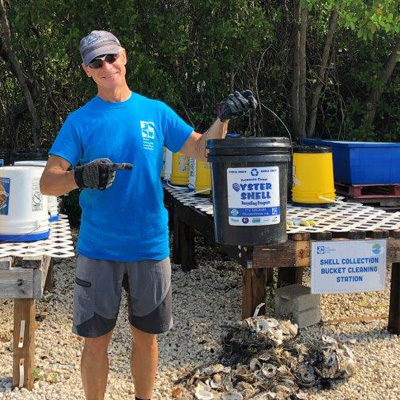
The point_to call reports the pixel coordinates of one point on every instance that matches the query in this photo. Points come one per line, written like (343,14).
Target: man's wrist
(224,121)
(78,177)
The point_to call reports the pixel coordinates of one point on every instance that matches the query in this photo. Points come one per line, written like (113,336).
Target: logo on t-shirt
(148,134)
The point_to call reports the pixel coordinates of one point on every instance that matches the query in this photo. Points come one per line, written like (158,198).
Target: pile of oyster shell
(261,359)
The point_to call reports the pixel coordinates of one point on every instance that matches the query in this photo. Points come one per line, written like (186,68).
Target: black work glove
(98,174)
(237,104)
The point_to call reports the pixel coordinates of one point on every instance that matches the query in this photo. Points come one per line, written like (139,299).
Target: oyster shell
(255,364)
(203,395)
(231,396)
(333,360)
(214,369)
(201,386)
(306,376)
(269,371)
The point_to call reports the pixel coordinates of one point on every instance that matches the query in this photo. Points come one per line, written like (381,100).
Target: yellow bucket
(313,182)
(180,169)
(203,178)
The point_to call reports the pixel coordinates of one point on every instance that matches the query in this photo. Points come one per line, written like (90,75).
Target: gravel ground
(204,300)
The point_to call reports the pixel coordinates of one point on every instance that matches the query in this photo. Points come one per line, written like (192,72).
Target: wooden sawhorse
(24,280)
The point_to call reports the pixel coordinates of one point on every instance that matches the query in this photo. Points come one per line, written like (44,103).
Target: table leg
(183,245)
(394,307)
(24,343)
(187,248)
(176,244)
(49,284)
(289,276)
(254,289)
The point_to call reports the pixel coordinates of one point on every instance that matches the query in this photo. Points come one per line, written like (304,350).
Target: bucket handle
(200,191)
(287,130)
(330,200)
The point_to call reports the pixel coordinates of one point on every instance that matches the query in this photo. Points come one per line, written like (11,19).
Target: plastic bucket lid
(248,146)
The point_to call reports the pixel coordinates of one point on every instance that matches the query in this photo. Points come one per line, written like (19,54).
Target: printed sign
(253,196)
(4,195)
(348,266)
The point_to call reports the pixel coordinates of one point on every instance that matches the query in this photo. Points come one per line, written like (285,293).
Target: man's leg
(144,361)
(148,285)
(97,295)
(94,366)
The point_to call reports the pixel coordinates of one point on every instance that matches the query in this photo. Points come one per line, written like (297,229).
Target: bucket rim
(305,148)
(258,142)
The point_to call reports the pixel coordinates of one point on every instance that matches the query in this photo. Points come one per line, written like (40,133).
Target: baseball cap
(98,43)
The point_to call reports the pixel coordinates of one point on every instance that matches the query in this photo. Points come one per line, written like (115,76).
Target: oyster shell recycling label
(4,195)
(253,196)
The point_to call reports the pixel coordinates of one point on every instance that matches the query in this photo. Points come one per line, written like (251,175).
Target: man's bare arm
(56,179)
(195,145)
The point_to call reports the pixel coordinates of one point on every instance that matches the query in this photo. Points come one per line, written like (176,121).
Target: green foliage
(191,54)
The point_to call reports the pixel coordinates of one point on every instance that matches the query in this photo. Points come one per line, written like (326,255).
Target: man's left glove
(237,104)
(98,174)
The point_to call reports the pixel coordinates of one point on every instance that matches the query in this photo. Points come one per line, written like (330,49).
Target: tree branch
(5,34)
(296,69)
(376,93)
(322,72)
(303,72)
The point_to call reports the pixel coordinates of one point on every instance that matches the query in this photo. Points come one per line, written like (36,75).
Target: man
(123,239)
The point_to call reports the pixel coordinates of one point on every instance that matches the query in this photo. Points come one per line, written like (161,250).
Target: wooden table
(25,272)
(290,257)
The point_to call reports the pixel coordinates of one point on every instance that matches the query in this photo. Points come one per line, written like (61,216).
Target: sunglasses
(99,61)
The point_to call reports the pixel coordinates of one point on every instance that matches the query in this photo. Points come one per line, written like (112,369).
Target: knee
(97,346)
(144,340)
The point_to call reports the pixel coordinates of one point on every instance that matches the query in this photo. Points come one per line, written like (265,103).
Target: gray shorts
(97,295)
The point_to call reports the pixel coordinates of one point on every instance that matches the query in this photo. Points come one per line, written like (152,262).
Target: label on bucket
(253,196)
(37,199)
(4,195)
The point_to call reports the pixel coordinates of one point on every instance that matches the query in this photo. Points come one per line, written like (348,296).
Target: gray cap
(98,43)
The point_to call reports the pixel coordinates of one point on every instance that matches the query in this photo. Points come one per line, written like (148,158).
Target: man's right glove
(237,104)
(98,174)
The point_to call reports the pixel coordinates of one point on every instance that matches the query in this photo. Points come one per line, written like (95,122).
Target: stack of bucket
(181,170)
(52,201)
(23,209)
(199,177)
(167,165)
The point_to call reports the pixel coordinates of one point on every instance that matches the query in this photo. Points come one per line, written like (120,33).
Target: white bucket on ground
(52,201)
(23,209)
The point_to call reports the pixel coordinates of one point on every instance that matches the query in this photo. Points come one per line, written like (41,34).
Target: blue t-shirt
(127,221)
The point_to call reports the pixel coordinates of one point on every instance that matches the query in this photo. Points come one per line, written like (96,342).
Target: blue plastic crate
(363,162)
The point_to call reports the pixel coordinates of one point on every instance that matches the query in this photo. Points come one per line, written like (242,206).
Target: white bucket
(52,201)
(23,209)
(167,165)
(192,175)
